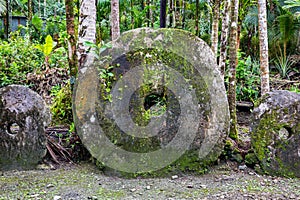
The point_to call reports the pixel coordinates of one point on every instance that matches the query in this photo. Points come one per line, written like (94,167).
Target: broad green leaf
(37,22)
(48,46)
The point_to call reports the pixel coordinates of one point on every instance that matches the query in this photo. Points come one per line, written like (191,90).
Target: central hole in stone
(13,128)
(155,104)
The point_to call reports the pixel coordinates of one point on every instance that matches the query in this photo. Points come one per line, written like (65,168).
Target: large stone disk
(23,117)
(275,133)
(155,98)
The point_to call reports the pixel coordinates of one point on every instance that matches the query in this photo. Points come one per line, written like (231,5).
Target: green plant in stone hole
(107,77)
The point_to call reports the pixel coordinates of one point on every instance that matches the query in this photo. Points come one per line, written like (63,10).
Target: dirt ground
(227,180)
(85,181)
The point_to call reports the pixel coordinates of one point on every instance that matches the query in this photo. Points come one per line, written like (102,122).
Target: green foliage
(2,6)
(295,88)
(37,22)
(248,78)
(18,57)
(47,47)
(61,107)
(53,57)
(294,4)
(97,48)
(40,28)
(283,64)
(55,25)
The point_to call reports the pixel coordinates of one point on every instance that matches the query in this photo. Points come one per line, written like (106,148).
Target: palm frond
(286,26)
(2,6)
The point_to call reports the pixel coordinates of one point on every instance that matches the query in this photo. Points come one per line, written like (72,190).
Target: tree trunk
(232,71)
(183,14)
(151,14)
(148,13)
(29,5)
(86,29)
(45,6)
(115,20)
(171,12)
(7,22)
(163,10)
(224,36)
(72,56)
(132,14)
(215,27)
(174,13)
(29,17)
(263,46)
(39,8)
(197,18)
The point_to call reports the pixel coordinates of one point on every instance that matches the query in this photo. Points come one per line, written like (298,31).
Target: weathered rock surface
(118,103)
(275,133)
(23,117)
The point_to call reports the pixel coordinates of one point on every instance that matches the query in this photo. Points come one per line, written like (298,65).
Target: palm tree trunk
(163,12)
(232,71)
(86,29)
(215,27)
(72,56)
(263,46)
(224,36)
(115,20)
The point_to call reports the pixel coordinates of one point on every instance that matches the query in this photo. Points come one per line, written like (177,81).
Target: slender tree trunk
(263,46)
(29,17)
(224,36)
(29,5)
(142,5)
(239,29)
(151,15)
(232,70)
(45,8)
(115,20)
(7,22)
(183,14)
(171,13)
(132,14)
(148,13)
(215,27)
(39,8)
(86,29)
(174,13)
(197,18)
(72,56)
(163,12)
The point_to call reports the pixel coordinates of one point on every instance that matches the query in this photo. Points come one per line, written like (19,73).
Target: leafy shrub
(18,57)
(283,64)
(61,108)
(248,78)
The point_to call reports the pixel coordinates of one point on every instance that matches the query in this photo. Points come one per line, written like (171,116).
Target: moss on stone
(251,159)
(271,135)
